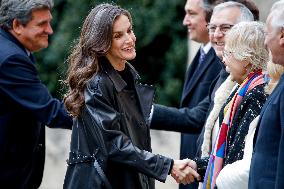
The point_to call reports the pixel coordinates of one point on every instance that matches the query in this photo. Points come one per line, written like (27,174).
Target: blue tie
(201,57)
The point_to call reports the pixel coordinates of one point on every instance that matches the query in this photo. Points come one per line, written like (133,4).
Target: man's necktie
(202,56)
(201,59)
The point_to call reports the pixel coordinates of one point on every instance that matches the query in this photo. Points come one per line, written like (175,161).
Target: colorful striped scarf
(218,153)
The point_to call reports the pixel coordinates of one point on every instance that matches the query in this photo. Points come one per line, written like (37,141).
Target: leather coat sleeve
(117,144)
(19,81)
(183,120)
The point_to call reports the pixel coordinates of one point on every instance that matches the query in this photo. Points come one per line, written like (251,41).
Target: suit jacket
(196,88)
(25,108)
(267,165)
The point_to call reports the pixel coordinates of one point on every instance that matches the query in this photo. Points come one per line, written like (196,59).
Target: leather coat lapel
(145,93)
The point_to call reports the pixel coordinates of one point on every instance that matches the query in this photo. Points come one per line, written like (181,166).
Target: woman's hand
(184,171)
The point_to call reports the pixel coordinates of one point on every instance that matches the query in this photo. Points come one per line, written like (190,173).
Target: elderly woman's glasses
(227,53)
(223,28)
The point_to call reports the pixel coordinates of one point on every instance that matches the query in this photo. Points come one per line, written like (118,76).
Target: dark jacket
(197,82)
(195,102)
(25,108)
(187,120)
(119,136)
(267,165)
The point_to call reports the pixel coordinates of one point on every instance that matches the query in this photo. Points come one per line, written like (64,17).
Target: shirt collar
(28,52)
(206,47)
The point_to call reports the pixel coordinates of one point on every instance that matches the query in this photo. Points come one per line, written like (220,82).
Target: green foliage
(161,43)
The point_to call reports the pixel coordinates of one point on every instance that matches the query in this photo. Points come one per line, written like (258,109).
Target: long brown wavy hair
(95,41)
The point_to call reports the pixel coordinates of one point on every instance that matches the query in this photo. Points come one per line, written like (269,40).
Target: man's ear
(17,27)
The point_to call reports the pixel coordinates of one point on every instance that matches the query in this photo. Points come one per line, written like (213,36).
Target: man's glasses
(223,28)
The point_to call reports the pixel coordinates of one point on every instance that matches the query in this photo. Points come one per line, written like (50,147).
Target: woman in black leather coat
(110,145)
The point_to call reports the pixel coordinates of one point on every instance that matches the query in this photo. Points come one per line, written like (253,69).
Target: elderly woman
(235,175)
(245,57)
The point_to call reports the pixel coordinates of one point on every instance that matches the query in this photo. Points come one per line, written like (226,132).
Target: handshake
(184,171)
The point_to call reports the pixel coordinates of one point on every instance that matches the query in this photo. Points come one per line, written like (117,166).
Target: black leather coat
(113,129)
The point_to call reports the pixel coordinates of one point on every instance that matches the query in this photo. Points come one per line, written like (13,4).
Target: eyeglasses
(227,53)
(223,28)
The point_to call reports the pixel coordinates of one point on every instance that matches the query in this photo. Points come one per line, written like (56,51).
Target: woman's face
(237,69)
(123,43)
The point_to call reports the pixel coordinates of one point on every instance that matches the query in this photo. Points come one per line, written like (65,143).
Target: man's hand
(184,171)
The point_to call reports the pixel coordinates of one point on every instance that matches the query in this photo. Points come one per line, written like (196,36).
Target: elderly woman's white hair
(245,41)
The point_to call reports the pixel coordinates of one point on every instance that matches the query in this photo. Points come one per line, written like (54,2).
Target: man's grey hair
(277,5)
(277,15)
(20,10)
(245,13)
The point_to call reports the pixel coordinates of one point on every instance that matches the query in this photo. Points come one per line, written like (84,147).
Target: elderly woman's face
(238,69)
(123,43)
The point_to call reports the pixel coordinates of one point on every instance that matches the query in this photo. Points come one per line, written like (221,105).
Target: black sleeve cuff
(171,167)
(201,166)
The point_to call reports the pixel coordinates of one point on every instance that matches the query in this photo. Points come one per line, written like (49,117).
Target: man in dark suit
(201,72)
(267,166)
(25,103)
